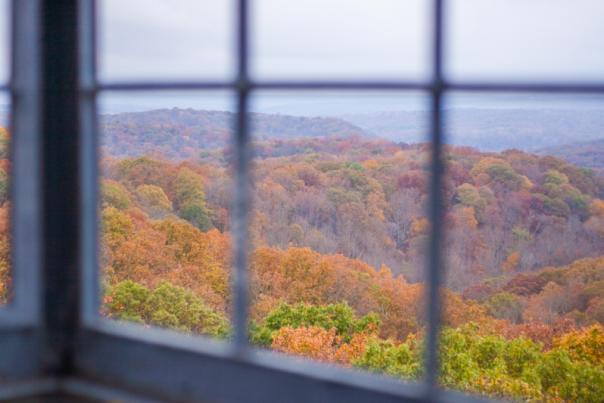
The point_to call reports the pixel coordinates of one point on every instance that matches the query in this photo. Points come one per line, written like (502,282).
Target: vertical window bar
(25,155)
(242,197)
(61,193)
(436,208)
(90,301)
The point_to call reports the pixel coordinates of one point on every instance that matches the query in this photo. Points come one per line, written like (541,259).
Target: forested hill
(182,133)
(589,154)
(178,134)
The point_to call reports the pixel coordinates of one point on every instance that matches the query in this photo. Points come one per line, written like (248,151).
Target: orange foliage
(585,344)
(313,342)
(510,263)
(539,332)
(320,344)
(419,226)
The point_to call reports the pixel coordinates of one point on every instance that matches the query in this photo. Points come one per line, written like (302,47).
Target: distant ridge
(587,154)
(182,133)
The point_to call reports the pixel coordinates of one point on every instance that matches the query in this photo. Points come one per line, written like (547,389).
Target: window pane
(339,228)
(5,266)
(524,246)
(165,199)
(4,41)
(340,38)
(163,39)
(538,39)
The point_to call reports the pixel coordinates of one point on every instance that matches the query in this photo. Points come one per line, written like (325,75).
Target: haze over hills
(589,154)
(490,129)
(182,133)
(576,135)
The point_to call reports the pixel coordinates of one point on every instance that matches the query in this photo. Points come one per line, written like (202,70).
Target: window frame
(20,317)
(82,353)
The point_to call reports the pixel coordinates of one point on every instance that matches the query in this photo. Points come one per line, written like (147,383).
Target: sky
(344,39)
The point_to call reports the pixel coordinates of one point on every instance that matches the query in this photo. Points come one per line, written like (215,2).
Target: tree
(114,194)
(507,306)
(190,199)
(167,306)
(196,213)
(153,201)
(339,317)
(4,185)
(4,143)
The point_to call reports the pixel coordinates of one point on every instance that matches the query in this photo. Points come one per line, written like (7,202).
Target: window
(52,329)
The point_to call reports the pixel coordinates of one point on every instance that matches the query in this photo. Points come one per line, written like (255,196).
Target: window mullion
(242,187)
(61,190)
(436,207)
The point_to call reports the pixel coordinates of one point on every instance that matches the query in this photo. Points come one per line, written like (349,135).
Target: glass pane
(338,228)
(4,41)
(165,200)
(163,39)
(5,266)
(538,39)
(524,246)
(339,39)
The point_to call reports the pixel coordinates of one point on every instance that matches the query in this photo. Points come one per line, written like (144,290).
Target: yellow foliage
(371,164)
(585,344)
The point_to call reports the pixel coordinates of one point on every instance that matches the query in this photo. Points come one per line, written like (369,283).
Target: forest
(337,257)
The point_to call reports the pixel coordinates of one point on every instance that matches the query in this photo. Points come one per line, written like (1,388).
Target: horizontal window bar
(161,86)
(21,354)
(543,87)
(178,366)
(26,389)
(259,85)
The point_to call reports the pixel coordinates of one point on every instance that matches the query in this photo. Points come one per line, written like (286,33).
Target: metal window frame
(20,336)
(56,333)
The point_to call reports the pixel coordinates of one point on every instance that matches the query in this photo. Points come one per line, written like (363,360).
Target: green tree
(153,201)
(339,316)
(4,185)
(505,305)
(190,198)
(167,305)
(115,194)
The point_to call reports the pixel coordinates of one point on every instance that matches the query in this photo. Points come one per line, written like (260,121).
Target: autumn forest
(338,235)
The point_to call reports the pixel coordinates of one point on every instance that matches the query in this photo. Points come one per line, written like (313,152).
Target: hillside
(588,154)
(183,133)
(490,129)
(337,257)
(338,233)
(365,199)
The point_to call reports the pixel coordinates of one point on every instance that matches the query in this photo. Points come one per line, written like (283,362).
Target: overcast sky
(188,39)
(351,38)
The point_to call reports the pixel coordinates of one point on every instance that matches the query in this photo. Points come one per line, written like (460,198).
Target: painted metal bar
(176,367)
(241,203)
(160,86)
(89,181)
(365,85)
(435,213)
(61,193)
(26,245)
(525,87)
